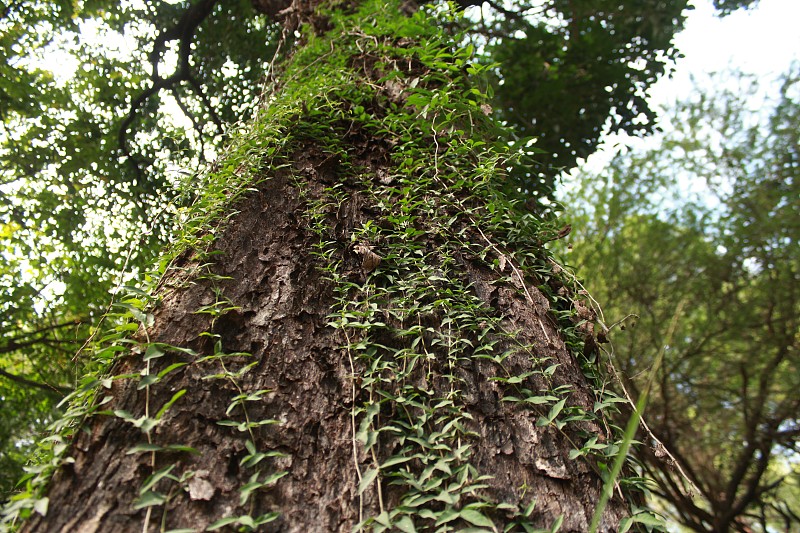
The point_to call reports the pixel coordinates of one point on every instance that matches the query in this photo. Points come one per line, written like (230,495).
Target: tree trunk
(360,348)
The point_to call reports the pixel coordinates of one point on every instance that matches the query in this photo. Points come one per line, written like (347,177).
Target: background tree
(704,228)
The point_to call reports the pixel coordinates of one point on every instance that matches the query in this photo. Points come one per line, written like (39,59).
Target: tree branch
(31,338)
(183,31)
(51,389)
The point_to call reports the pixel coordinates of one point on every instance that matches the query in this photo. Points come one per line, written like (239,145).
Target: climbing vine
(389,139)
(408,315)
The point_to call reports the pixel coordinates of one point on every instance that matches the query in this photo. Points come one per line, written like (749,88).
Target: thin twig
(353,424)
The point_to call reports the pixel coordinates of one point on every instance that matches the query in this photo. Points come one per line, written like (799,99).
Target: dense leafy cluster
(576,70)
(567,71)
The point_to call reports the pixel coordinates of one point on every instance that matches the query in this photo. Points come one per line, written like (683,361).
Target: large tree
(94,166)
(353,306)
(344,338)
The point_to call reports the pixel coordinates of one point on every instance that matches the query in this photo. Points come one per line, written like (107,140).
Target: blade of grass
(633,424)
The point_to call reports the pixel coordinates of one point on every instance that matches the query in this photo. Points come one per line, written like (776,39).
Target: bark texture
(291,257)
(284,302)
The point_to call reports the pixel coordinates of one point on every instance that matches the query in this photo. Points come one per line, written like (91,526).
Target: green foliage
(90,142)
(413,320)
(575,69)
(75,207)
(704,229)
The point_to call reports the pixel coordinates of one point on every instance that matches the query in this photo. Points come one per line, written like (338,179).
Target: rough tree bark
(359,347)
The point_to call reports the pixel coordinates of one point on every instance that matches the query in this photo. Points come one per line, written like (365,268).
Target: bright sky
(762,40)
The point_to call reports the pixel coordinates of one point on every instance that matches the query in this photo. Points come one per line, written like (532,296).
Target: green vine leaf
(149,499)
(476,518)
(367,479)
(406,525)
(175,398)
